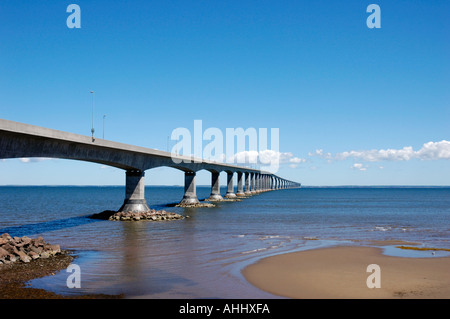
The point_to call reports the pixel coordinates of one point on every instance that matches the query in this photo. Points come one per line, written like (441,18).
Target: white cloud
(404,154)
(435,150)
(297,160)
(266,157)
(244,157)
(359,167)
(429,151)
(34,159)
(320,153)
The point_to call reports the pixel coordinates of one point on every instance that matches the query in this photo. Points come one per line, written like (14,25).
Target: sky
(353,105)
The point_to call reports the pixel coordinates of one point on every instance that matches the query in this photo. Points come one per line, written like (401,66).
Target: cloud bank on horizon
(429,151)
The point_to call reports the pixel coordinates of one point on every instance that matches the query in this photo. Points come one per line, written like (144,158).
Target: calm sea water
(202,256)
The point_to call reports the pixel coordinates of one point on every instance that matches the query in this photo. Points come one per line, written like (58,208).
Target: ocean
(202,256)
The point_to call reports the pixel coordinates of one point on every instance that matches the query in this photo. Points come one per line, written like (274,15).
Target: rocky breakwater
(152,215)
(195,205)
(25,249)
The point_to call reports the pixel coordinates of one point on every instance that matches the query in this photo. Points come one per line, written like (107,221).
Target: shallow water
(202,256)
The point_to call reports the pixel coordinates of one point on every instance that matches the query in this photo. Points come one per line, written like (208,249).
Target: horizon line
(302,186)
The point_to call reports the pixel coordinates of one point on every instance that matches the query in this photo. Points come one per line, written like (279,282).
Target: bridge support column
(253,183)
(134,192)
(259,183)
(215,188)
(240,191)
(190,190)
(247,184)
(230,186)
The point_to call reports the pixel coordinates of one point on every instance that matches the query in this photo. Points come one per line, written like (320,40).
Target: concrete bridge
(19,140)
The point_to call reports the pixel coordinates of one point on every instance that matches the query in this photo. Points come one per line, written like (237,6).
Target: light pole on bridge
(93,106)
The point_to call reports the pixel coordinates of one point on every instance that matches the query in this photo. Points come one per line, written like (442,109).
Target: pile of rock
(196,205)
(152,215)
(25,249)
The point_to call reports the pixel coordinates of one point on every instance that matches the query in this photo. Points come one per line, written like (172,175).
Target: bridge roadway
(19,140)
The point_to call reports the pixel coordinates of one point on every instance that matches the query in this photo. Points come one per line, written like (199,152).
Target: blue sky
(354,106)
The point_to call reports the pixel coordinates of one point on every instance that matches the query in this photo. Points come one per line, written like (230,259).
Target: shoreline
(14,279)
(340,272)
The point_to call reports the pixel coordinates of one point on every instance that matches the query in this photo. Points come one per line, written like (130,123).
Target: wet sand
(341,273)
(14,278)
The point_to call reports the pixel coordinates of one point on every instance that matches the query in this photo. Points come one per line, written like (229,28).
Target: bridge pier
(253,183)
(215,187)
(230,186)
(258,183)
(190,190)
(247,191)
(134,192)
(240,191)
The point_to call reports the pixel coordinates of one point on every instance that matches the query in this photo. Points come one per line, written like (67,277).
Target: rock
(6,235)
(26,240)
(3,252)
(24,257)
(37,250)
(10,248)
(25,249)
(55,249)
(45,254)
(151,215)
(40,241)
(33,255)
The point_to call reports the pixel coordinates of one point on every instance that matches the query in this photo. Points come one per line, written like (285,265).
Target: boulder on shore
(25,249)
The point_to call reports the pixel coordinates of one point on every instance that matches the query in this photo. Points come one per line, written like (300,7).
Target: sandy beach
(341,273)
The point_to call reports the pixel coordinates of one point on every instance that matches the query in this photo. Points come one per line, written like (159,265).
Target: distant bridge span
(19,140)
